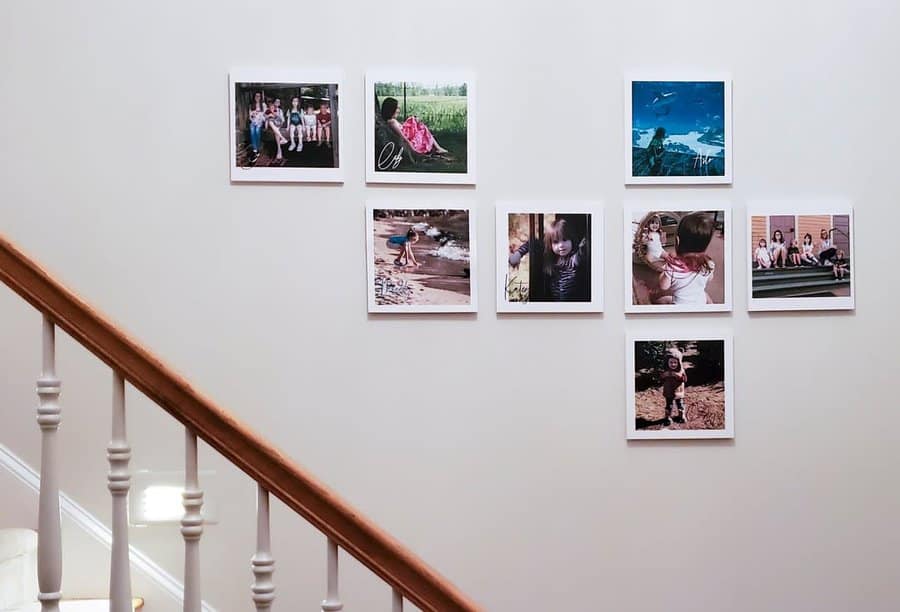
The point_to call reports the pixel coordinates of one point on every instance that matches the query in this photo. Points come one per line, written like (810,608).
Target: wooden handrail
(293,485)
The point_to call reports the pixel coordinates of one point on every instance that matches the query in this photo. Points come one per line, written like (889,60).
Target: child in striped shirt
(565,264)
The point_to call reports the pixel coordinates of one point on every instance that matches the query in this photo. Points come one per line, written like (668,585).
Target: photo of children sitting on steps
(680,388)
(800,256)
(677,260)
(419,127)
(286,125)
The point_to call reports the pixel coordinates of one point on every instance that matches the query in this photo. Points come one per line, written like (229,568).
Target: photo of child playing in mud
(679,385)
(419,260)
(678,259)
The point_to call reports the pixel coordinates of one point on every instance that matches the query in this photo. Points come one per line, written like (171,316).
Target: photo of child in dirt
(678,258)
(679,385)
(549,257)
(420,258)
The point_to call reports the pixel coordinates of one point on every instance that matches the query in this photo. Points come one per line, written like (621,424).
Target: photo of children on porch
(800,256)
(421,127)
(420,258)
(678,258)
(549,257)
(679,384)
(286,125)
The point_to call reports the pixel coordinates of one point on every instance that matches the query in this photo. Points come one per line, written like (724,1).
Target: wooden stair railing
(344,527)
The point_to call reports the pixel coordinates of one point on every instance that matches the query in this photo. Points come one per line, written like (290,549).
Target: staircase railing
(345,528)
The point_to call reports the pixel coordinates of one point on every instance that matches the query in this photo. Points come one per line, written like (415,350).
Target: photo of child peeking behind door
(564,260)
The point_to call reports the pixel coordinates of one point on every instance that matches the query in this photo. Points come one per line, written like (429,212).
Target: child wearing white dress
(309,124)
(763,260)
(807,256)
(649,240)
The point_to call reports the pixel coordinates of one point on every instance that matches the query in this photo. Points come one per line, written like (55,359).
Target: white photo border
(241,174)
(421,178)
(373,307)
(631,431)
(674,205)
(597,243)
(799,207)
(726,178)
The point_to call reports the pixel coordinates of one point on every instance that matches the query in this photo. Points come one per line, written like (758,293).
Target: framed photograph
(678,131)
(420,127)
(285,125)
(677,259)
(549,257)
(800,256)
(679,386)
(420,259)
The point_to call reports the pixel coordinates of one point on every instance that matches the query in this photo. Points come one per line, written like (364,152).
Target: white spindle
(49,536)
(263,565)
(191,525)
(119,481)
(398,601)
(332,602)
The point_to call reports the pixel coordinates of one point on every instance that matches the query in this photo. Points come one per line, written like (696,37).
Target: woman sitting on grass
(414,133)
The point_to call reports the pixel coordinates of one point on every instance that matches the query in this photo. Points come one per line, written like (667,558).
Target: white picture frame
(595,248)
(800,287)
(656,430)
(244,171)
(705,153)
(721,245)
(379,168)
(448,259)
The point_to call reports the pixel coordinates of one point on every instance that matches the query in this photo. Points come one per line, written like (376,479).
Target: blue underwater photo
(678,128)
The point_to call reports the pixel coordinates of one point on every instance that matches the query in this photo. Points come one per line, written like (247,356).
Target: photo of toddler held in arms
(678,260)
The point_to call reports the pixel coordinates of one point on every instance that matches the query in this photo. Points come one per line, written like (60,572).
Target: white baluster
(332,602)
(119,482)
(398,601)
(191,525)
(49,536)
(263,564)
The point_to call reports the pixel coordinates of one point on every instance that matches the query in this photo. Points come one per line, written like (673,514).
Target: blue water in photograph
(678,128)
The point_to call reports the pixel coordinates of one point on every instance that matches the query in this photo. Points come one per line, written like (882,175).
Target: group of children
(684,275)
(769,255)
(305,123)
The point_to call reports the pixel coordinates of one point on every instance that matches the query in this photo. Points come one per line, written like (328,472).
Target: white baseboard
(93,526)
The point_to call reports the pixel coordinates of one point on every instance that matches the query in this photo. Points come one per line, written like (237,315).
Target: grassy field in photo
(443,108)
(442,114)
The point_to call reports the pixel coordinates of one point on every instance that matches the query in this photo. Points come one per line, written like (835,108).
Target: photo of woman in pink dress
(420,127)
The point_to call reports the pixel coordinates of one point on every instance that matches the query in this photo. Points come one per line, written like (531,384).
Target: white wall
(509,474)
